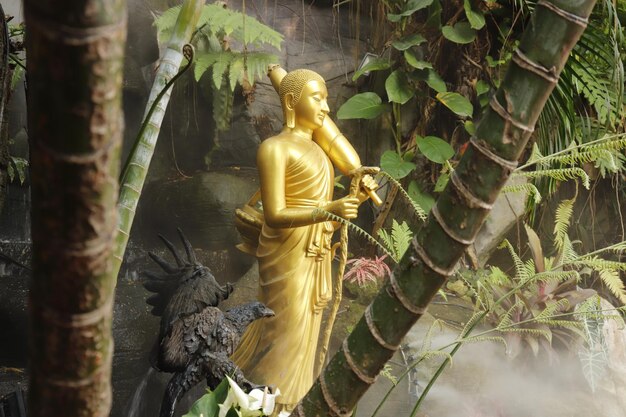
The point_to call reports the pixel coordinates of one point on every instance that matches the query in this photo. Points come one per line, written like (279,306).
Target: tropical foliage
(223,41)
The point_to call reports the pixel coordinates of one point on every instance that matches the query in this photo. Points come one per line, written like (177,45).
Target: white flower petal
(240,396)
(223,410)
(255,398)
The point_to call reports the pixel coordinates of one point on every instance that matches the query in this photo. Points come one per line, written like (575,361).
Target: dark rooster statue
(196,338)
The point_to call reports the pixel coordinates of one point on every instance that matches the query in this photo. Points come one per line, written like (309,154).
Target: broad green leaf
(398,88)
(361,106)
(411,7)
(460,33)
(408,41)
(424,200)
(207,404)
(442,181)
(470,127)
(482,87)
(435,149)
(395,165)
(435,82)
(434,15)
(412,60)
(376,64)
(476,18)
(457,103)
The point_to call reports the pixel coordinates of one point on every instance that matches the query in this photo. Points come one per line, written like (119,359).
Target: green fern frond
(521,274)
(556,277)
(428,337)
(320,213)
(568,254)
(597,263)
(476,339)
(434,354)
(559,174)
(552,308)
(401,235)
(219,19)
(547,334)
(498,277)
(416,207)
(506,320)
(387,373)
(471,323)
(387,240)
(561,224)
(611,279)
(528,188)
(165,23)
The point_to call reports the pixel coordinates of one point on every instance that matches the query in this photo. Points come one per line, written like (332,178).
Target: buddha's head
(303,97)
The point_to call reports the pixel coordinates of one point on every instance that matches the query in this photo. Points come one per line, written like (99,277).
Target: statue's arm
(272,161)
(337,147)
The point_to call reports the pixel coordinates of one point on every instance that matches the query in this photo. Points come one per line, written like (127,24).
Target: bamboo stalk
(135,173)
(75,124)
(460,210)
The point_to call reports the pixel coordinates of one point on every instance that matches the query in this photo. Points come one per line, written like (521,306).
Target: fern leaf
(556,276)
(552,308)
(528,188)
(203,62)
(220,66)
(547,334)
(419,211)
(428,337)
(612,280)
(559,174)
(476,339)
(319,213)
(520,270)
(471,323)
(597,264)
(435,353)
(561,223)
(401,236)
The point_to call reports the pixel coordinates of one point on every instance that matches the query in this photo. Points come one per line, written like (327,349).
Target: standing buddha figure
(294,248)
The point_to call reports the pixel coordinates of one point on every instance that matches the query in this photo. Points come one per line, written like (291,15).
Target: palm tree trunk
(136,169)
(460,210)
(75,62)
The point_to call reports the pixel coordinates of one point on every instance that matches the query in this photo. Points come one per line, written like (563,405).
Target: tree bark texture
(74,64)
(460,210)
(5,82)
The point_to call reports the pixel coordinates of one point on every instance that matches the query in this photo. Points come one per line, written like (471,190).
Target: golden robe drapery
(295,281)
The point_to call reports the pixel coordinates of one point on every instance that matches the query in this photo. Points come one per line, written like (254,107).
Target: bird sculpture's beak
(268,312)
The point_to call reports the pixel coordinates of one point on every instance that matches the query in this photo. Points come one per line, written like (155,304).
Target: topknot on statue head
(294,83)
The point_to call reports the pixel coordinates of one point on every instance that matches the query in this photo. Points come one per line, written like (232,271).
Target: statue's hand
(367,188)
(346,207)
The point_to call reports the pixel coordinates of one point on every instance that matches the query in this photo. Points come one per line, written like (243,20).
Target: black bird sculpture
(196,338)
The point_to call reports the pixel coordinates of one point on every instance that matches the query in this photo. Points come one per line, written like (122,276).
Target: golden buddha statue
(294,248)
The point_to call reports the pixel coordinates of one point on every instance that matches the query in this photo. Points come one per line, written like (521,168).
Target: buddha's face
(312,107)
